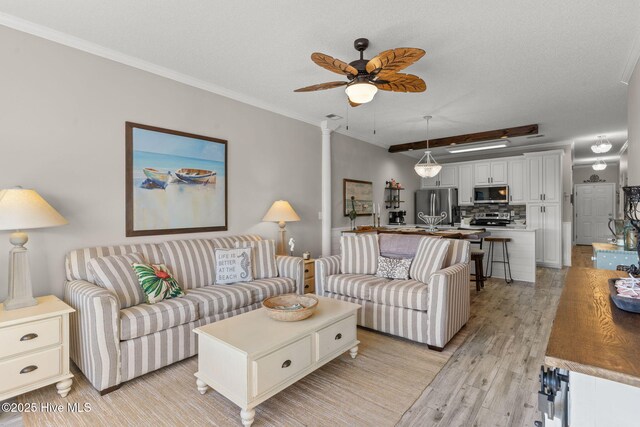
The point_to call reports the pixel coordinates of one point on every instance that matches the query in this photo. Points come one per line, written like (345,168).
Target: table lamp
(22,209)
(281,212)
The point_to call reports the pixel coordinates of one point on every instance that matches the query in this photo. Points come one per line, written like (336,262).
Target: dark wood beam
(488,135)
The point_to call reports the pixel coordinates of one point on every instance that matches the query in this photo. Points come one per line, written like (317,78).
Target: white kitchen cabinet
(516,180)
(448,177)
(465,184)
(490,172)
(545,177)
(546,218)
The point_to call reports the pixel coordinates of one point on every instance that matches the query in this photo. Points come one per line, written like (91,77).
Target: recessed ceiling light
(333,116)
(486,147)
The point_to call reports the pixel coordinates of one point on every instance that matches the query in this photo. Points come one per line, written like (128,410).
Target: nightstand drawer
(30,369)
(335,336)
(29,336)
(309,271)
(309,286)
(281,365)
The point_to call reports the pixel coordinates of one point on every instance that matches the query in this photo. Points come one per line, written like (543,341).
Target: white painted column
(326,188)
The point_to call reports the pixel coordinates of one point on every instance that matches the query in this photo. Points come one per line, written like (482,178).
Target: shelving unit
(392,196)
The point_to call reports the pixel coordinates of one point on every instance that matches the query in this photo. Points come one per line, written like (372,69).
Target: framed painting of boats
(176,182)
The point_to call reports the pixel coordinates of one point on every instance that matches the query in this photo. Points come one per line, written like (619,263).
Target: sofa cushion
(393,268)
(265,288)
(191,262)
(76,260)
(145,319)
(263,258)
(429,258)
(401,293)
(359,254)
(116,274)
(233,265)
(458,252)
(156,282)
(217,299)
(353,285)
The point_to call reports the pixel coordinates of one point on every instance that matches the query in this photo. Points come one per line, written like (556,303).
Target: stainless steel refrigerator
(435,201)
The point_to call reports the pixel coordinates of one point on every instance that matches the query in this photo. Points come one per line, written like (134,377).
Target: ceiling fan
(365,77)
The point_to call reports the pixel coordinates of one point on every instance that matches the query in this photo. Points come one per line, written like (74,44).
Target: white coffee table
(250,357)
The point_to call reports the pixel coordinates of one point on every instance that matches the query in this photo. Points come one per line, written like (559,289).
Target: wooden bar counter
(592,336)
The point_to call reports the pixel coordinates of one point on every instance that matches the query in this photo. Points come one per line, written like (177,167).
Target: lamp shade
(22,209)
(281,211)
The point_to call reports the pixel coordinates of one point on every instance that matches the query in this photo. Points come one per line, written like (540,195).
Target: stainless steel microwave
(491,194)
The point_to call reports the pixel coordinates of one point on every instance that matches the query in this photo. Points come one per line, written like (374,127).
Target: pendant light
(602,145)
(599,165)
(427,167)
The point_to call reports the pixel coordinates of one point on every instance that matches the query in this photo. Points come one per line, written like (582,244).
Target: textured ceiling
(489,64)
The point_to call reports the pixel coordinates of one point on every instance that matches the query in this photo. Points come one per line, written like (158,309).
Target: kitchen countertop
(610,247)
(590,335)
(471,227)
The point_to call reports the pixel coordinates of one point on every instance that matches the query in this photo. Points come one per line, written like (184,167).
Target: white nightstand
(34,348)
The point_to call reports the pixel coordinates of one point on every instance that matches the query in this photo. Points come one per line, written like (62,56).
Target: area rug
(375,388)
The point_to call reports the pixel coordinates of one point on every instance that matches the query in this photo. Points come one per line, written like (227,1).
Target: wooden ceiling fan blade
(401,83)
(332,64)
(321,86)
(394,60)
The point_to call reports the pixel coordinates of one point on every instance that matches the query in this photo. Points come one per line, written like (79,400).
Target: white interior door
(595,205)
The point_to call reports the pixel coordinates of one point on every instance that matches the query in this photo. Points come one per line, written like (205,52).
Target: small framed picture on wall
(358,196)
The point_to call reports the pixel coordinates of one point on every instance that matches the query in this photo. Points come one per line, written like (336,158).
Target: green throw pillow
(157,282)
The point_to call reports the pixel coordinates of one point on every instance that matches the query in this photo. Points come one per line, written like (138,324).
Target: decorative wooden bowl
(290,307)
(626,304)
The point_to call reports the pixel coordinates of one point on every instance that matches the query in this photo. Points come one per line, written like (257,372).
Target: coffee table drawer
(281,365)
(335,336)
(29,336)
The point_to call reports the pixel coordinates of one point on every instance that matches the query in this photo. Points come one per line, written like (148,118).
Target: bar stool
(477,256)
(505,257)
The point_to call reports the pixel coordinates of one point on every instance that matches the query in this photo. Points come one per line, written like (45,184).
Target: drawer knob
(29,337)
(306,286)
(339,336)
(28,369)
(306,270)
(286,363)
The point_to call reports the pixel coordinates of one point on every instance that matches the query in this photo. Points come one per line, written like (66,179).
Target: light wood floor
(492,379)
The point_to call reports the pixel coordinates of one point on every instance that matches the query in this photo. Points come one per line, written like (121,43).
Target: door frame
(575,203)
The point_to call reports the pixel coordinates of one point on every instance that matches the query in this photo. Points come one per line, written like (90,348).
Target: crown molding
(632,60)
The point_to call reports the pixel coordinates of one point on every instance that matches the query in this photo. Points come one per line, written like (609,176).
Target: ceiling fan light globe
(361,93)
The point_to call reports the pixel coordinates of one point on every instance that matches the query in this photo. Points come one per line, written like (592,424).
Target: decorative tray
(290,307)
(631,304)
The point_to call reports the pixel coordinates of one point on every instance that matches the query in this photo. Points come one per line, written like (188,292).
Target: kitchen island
(598,345)
(522,247)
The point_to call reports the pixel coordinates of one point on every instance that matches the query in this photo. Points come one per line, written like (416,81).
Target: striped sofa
(431,312)
(111,345)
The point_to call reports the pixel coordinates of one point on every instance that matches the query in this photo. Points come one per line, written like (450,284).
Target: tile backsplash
(520,210)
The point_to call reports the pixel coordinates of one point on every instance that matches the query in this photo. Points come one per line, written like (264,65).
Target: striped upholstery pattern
(353,285)
(263,258)
(458,253)
(247,238)
(229,242)
(116,274)
(150,352)
(429,258)
(448,303)
(265,288)
(324,268)
(293,268)
(145,319)
(216,299)
(192,262)
(402,293)
(93,332)
(359,254)
(76,261)
(402,322)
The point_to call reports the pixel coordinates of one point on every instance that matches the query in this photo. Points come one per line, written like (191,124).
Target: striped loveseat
(430,312)
(111,344)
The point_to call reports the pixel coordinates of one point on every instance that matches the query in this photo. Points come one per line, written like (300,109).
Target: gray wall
(633,123)
(355,159)
(583,172)
(62,121)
